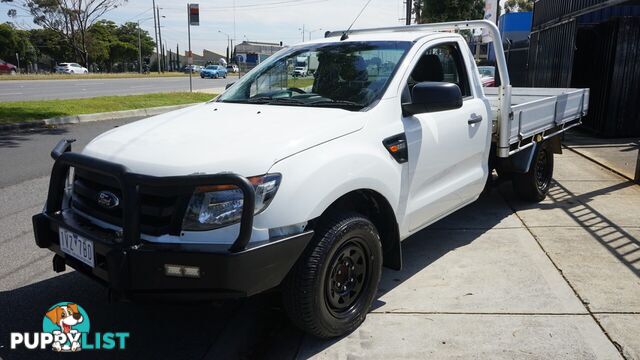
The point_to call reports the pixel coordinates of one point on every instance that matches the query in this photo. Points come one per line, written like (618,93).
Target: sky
(255,20)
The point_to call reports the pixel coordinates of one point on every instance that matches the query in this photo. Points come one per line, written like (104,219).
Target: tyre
(330,289)
(534,185)
(13,72)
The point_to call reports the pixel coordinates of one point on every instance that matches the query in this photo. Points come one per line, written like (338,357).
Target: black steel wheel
(534,185)
(330,289)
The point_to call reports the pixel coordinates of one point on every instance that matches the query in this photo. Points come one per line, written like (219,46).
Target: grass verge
(89,76)
(20,111)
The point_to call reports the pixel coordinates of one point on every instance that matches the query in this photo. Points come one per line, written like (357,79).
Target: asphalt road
(28,286)
(19,90)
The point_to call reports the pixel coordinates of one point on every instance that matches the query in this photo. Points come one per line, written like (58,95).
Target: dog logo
(67,322)
(108,200)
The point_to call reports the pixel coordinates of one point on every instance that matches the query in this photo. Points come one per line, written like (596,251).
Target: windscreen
(350,75)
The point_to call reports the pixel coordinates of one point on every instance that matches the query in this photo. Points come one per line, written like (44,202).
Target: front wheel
(330,289)
(534,185)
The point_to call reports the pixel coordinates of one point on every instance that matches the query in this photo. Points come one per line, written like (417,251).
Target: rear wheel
(330,289)
(534,185)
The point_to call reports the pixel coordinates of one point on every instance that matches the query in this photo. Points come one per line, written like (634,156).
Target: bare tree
(69,18)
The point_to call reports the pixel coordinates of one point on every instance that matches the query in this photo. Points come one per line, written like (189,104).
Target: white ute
(304,184)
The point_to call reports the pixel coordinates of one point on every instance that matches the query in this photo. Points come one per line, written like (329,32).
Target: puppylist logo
(65,328)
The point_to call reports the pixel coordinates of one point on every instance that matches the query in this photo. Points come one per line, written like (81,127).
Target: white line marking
(11,93)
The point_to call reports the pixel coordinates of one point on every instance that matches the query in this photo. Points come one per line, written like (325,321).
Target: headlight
(213,207)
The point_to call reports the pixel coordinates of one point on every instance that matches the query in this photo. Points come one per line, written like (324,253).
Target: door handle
(474,119)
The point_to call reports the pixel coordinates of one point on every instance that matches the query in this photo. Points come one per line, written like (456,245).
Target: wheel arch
(376,208)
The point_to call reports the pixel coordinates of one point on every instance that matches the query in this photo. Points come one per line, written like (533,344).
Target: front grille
(161,209)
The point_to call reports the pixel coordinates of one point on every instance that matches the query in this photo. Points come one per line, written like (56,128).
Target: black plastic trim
(130,184)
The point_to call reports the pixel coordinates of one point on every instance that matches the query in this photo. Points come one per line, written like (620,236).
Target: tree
(50,46)
(518,5)
(69,18)
(14,41)
(430,11)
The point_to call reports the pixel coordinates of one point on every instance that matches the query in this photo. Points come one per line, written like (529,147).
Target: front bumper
(132,267)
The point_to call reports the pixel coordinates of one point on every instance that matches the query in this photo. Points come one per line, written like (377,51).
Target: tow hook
(58,263)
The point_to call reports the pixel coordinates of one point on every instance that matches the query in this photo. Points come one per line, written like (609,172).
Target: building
(594,44)
(515,29)
(254,52)
(175,63)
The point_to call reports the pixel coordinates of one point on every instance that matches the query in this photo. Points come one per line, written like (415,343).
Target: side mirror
(228,85)
(429,97)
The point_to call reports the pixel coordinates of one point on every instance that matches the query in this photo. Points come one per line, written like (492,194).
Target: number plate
(77,246)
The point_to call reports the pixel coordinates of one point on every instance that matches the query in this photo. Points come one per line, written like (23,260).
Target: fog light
(181,271)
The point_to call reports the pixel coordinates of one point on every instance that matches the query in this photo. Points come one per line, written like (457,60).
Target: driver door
(448,150)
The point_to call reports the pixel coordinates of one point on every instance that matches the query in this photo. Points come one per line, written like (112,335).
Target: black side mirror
(429,97)
(228,85)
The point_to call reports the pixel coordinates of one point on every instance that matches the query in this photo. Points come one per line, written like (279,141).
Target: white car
(311,191)
(232,68)
(299,71)
(71,68)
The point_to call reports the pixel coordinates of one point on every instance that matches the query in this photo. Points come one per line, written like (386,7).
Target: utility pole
(139,50)
(155,30)
(409,3)
(160,36)
(177,57)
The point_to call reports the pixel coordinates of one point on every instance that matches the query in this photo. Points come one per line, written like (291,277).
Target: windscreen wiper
(336,103)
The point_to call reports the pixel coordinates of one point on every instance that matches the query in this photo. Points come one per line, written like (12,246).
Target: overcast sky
(257,20)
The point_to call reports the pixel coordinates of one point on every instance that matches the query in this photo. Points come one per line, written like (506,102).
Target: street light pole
(155,30)
(312,31)
(139,50)
(228,45)
(190,54)
(160,35)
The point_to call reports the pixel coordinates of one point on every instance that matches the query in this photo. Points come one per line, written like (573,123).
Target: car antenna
(345,35)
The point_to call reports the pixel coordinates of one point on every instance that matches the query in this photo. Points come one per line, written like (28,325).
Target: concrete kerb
(84,118)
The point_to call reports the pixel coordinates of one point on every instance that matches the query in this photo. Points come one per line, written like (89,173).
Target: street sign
(194,15)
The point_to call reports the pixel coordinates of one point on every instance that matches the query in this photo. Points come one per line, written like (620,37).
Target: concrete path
(503,279)
(620,155)
(500,279)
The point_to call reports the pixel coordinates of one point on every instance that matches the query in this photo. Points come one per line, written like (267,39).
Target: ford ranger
(306,184)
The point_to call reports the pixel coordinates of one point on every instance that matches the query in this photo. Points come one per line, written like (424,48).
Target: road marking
(11,93)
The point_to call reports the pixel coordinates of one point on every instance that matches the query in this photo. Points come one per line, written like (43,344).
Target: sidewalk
(503,279)
(620,155)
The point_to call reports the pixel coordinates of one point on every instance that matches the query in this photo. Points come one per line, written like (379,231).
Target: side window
(442,63)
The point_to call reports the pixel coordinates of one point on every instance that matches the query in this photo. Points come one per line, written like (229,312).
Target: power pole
(155,31)
(160,37)
(177,57)
(139,50)
(409,4)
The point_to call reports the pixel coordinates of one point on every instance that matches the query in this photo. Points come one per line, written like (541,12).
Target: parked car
(487,75)
(311,191)
(71,68)
(213,72)
(7,68)
(192,69)
(299,71)
(233,68)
